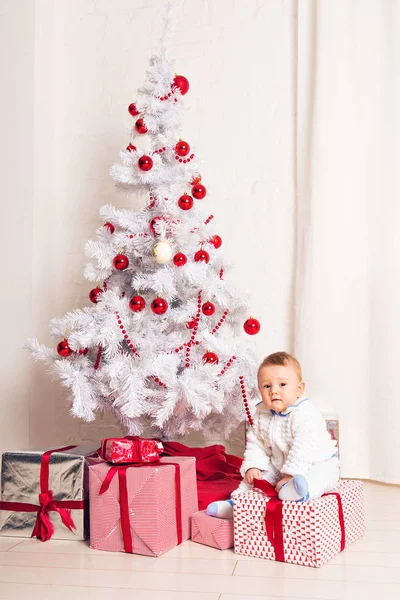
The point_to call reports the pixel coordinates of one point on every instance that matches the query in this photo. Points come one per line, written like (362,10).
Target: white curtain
(347,328)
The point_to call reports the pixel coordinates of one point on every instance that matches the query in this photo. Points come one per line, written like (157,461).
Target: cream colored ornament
(162,252)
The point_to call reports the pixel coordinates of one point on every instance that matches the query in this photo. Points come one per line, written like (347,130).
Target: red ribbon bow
(124,501)
(273,518)
(43,528)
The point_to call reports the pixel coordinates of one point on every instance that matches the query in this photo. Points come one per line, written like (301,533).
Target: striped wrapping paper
(211,531)
(152,506)
(311,531)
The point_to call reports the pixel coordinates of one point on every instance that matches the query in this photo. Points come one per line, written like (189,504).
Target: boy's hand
(251,475)
(282,481)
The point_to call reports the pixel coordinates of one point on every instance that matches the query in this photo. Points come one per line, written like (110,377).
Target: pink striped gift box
(302,533)
(151,494)
(211,531)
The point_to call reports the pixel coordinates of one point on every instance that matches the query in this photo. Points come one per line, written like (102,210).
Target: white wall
(75,73)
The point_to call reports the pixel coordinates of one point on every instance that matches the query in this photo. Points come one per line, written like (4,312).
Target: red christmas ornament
(152,223)
(131,148)
(182,148)
(133,110)
(208,309)
(196,179)
(83,351)
(145,163)
(199,191)
(159,306)
(210,358)
(202,255)
(216,241)
(121,262)
(63,349)
(137,303)
(181,83)
(94,294)
(109,226)
(140,126)
(191,324)
(252,326)
(185,202)
(180,259)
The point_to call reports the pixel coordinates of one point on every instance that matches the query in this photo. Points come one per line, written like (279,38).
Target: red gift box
(130,450)
(212,531)
(142,509)
(303,533)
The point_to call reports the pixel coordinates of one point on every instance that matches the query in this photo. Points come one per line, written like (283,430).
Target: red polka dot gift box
(212,531)
(302,533)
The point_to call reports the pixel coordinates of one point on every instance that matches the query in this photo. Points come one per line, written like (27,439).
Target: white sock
(295,490)
(222,509)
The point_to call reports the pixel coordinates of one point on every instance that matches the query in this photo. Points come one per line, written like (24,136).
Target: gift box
(211,531)
(130,450)
(302,533)
(45,493)
(142,509)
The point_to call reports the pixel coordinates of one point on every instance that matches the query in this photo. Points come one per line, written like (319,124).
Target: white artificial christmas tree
(157,346)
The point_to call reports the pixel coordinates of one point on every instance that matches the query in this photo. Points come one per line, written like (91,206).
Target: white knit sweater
(292,442)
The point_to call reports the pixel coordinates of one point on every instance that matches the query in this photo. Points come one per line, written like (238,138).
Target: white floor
(60,570)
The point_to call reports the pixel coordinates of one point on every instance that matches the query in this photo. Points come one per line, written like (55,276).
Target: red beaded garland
(145,163)
(180,83)
(83,351)
(216,241)
(137,303)
(140,126)
(121,262)
(208,309)
(202,255)
(63,349)
(185,202)
(159,306)
(199,191)
(131,148)
(133,110)
(182,148)
(98,357)
(210,358)
(94,294)
(180,259)
(252,326)
(109,226)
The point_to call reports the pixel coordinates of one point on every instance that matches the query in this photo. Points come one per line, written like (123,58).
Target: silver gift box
(68,480)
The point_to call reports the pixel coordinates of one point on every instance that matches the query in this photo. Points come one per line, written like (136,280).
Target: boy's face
(279,386)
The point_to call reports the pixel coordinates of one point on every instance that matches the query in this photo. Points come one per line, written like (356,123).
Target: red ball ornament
(131,148)
(145,163)
(252,326)
(159,306)
(185,202)
(94,295)
(216,241)
(140,126)
(180,259)
(121,262)
(109,226)
(191,324)
(208,309)
(182,148)
(199,191)
(152,223)
(202,255)
(133,110)
(181,83)
(210,358)
(63,349)
(137,303)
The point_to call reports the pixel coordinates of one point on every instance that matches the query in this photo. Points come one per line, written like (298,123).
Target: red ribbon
(124,501)
(43,528)
(273,518)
